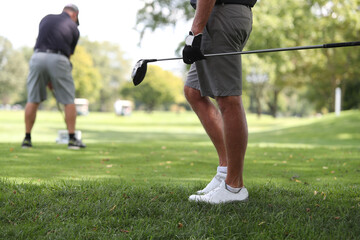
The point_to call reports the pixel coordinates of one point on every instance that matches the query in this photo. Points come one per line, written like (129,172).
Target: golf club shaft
(58,104)
(329,45)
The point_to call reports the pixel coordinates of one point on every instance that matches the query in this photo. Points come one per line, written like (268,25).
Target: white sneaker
(215,182)
(221,195)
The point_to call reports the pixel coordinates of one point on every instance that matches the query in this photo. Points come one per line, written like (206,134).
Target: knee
(229,103)
(32,107)
(192,95)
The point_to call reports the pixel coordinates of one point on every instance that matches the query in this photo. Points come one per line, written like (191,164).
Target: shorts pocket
(240,30)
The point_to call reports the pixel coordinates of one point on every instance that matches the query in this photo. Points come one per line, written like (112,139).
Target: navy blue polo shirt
(58,32)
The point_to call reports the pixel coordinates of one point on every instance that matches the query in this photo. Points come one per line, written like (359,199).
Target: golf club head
(139,71)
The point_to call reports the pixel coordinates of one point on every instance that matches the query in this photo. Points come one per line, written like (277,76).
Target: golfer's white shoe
(215,182)
(221,195)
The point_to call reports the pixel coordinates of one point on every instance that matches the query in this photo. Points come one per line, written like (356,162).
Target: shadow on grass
(137,163)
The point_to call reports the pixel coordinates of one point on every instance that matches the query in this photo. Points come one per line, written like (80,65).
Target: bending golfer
(50,65)
(220,26)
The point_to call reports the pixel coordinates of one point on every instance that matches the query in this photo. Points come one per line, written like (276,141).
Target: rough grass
(133,180)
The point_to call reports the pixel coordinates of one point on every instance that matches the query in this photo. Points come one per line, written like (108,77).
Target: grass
(133,180)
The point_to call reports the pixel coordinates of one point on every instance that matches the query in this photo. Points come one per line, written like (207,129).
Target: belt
(51,51)
(245,3)
(222,3)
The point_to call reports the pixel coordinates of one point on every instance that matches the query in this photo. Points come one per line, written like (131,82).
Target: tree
(273,27)
(336,21)
(114,70)
(87,79)
(13,71)
(296,23)
(257,82)
(299,23)
(158,88)
(281,25)
(160,13)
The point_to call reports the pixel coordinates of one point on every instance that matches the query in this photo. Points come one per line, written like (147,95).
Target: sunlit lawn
(133,179)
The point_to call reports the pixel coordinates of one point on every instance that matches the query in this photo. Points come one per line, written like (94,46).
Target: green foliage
(275,26)
(338,67)
(87,79)
(258,78)
(13,70)
(114,70)
(309,23)
(99,70)
(297,23)
(158,88)
(352,95)
(27,53)
(156,14)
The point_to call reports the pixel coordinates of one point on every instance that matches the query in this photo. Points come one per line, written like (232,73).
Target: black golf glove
(191,51)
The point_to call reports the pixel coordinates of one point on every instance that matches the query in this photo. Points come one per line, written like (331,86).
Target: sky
(106,20)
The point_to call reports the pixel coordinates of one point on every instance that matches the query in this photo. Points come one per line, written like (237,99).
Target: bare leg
(211,120)
(236,137)
(70,117)
(30,116)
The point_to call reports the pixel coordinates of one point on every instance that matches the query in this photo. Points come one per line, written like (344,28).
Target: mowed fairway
(134,178)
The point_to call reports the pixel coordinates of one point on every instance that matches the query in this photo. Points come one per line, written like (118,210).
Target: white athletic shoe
(221,195)
(215,182)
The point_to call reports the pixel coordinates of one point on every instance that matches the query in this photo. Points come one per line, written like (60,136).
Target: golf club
(140,68)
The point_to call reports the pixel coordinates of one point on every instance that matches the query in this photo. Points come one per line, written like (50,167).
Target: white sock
(231,189)
(222,169)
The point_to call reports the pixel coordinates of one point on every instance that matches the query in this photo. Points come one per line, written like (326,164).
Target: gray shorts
(227,30)
(54,68)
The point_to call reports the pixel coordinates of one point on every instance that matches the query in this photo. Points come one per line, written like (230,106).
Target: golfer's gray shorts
(54,68)
(227,30)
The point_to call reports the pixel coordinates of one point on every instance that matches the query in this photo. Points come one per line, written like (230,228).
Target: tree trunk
(274,104)
(258,107)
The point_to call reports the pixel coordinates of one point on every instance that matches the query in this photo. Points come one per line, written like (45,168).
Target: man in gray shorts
(220,26)
(50,66)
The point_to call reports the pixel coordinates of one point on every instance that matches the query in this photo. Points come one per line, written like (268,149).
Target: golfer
(220,26)
(50,66)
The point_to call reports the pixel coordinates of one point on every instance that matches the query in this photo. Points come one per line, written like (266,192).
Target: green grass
(134,178)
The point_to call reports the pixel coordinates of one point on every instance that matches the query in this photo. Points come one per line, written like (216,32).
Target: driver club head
(139,71)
